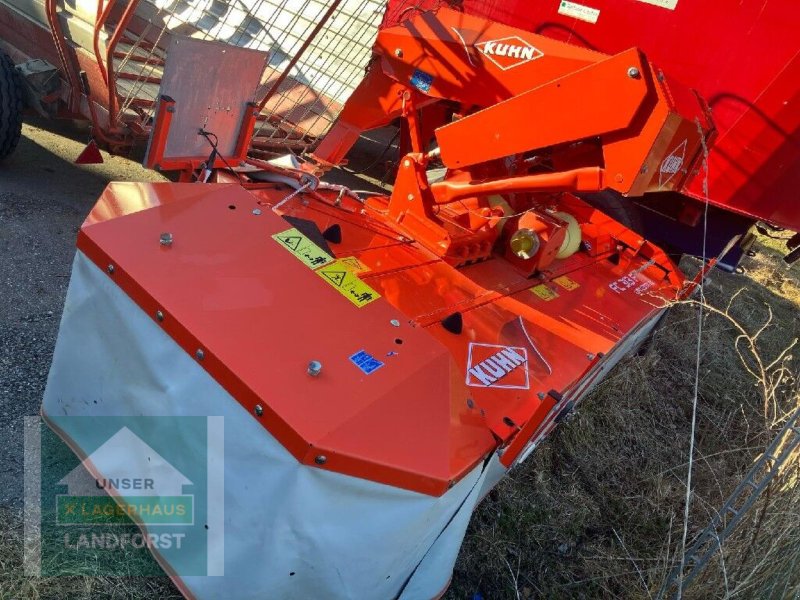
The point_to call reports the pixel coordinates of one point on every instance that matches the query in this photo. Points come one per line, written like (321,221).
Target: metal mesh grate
(307,102)
(310,96)
(398,11)
(138,67)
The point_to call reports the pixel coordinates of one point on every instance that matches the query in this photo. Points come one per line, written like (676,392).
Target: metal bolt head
(166,239)
(321,459)
(395,323)
(542,395)
(314,368)
(159,315)
(199,354)
(633,73)
(525,243)
(398,52)
(110,268)
(259,410)
(590,356)
(256,211)
(410,197)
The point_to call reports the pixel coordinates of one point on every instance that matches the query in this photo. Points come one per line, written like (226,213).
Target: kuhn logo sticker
(510,52)
(672,164)
(494,366)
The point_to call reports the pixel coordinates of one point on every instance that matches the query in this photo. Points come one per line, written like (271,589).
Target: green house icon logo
(125,479)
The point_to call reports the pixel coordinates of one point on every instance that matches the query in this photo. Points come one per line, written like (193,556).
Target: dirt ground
(44,198)
(596,512)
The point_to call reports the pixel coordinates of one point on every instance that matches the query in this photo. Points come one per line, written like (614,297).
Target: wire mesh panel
(306,103)
(317,55)
(398,11)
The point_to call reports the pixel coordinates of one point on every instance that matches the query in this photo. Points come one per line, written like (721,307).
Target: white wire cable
(696,370)
(295,193)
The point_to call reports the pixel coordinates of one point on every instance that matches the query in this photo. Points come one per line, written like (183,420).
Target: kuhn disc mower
(381,361)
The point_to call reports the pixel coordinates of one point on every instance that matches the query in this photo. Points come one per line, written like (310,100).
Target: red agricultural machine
(381,361)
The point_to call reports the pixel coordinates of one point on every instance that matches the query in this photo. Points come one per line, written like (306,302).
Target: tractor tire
(10,106)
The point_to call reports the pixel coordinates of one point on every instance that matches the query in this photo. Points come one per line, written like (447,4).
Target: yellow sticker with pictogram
(544,292)
(566,283)
(303,248)
(340,275)
(354,264)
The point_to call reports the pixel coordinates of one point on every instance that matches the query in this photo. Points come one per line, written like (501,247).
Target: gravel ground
(44,198)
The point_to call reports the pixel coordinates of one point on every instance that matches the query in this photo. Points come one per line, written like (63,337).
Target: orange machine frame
(609,123)
(472,350)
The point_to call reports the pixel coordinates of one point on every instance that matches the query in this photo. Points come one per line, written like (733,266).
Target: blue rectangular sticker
(366,362)
(421,80)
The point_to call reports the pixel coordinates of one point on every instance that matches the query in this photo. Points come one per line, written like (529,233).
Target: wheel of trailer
(10,106)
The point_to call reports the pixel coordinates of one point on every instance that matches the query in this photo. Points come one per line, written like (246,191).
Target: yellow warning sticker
(355,265)
(566,283)
(340,275)
(544,292)
(303,248)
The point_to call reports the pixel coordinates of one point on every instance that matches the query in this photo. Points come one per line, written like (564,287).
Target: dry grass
(597,511)
(72,585)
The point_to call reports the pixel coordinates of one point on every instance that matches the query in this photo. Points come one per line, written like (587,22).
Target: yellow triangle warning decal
(335,277)
(340,276)
(355,265)
(291,241)
(302,248)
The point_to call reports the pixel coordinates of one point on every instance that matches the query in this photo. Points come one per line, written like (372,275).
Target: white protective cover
(341,536)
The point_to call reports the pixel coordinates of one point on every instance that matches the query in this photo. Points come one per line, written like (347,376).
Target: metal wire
(698,357)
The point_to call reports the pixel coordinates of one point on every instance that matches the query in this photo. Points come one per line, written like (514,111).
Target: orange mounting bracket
(574,106)
(465,232)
